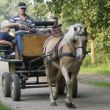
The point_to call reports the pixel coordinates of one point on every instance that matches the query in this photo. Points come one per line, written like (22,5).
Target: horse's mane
(72,32)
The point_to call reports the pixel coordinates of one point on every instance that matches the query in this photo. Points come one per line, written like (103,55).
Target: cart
(24,66)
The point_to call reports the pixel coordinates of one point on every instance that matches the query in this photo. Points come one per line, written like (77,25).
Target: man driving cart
(26,24)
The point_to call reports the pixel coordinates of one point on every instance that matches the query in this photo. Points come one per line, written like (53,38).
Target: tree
(40,11)
(93,13)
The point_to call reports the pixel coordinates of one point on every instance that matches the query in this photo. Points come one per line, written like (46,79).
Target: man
(27,24)
(56,29)
(5,37)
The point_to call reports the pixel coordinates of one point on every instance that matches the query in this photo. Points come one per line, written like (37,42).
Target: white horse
(65,55)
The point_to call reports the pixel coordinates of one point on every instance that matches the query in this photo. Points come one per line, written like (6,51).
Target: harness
(56,53)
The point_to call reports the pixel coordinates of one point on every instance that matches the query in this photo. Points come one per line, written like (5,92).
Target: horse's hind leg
(48,69)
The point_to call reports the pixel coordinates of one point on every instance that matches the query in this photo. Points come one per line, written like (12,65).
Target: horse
(65,55)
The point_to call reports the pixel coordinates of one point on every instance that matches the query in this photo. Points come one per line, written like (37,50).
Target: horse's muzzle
(79,58)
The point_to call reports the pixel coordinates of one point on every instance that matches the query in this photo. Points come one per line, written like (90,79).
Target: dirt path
(89,98)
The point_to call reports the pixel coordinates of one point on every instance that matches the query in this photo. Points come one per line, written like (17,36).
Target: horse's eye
(74,41)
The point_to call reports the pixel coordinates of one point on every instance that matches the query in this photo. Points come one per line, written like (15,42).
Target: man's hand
(21,26)
(32,30)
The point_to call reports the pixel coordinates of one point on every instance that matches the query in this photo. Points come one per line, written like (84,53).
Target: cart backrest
(33,45)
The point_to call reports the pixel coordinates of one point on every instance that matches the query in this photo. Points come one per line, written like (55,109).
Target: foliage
(7,8)
(40,11)
(103,41)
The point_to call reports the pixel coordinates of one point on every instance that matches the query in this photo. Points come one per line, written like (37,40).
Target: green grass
(97,83)
(101,84)
(100,69)
(103,69)
(3,107)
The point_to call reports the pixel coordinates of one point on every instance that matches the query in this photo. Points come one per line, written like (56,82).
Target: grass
(97,83)
(100,69)
(3,107)
(100,84)
(103,69)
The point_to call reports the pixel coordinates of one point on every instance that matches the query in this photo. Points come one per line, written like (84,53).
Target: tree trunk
(92,44)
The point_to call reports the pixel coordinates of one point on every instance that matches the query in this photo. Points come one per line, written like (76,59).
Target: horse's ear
(85,29)
(75,28)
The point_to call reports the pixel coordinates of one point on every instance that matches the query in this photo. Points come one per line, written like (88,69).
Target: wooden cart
(26,65)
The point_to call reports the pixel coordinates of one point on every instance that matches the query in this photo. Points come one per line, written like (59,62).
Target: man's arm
(4,42)
(14,24)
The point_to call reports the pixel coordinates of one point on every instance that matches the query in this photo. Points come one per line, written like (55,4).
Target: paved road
(89,98)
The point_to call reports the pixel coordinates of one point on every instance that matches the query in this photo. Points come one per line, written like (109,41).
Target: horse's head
(77,34)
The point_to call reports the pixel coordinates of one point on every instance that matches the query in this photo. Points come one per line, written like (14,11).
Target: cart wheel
(61,86)
(15,87)
(6,84)
(75,87)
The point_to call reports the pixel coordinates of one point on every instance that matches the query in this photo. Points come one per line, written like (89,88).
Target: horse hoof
(70,105)
(53,104)
(55,96)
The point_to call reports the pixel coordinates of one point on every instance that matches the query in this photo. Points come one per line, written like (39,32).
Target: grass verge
(3,107)
(100,69)
(97,83)
(103,69)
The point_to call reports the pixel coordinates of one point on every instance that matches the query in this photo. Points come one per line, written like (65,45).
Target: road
(89,98)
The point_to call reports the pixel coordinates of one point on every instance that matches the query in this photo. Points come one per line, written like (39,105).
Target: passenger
(5,37)
(56,29)
(27,24)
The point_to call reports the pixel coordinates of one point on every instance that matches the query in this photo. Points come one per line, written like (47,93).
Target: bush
(87,61)
(101,58)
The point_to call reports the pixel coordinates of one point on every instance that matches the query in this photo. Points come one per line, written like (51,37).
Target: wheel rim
(12,88)
(3,86)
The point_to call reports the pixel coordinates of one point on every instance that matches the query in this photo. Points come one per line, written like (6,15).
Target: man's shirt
(28,22)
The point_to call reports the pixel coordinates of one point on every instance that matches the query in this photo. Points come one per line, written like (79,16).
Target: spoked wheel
(6,84)
(15,87)
(75,87)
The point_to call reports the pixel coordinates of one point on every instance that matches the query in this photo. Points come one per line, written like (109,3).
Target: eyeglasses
(23,8)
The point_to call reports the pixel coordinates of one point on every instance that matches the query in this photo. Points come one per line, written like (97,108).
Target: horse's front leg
(58,77)
(49,80)
(69,87)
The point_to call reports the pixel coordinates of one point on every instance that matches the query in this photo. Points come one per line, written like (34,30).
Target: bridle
(73,54)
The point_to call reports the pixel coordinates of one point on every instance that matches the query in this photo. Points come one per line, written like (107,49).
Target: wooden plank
(33,45)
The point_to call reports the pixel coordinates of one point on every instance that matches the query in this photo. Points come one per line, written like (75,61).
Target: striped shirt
(28,22)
